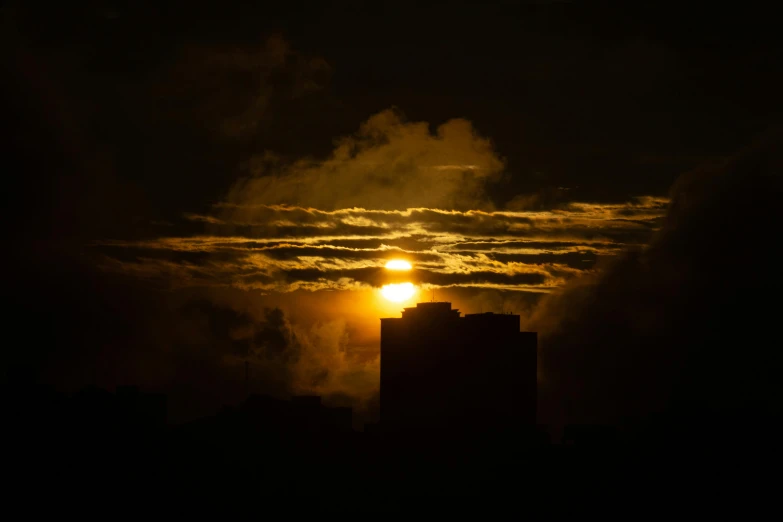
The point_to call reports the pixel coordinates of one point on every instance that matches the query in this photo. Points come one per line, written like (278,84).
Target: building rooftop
(431,309)
(443,308)
(490,315)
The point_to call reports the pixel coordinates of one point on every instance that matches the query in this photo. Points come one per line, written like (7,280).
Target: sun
(398,264)
(399,292)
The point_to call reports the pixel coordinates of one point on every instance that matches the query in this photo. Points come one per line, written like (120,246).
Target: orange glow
(398,264)
(398,293)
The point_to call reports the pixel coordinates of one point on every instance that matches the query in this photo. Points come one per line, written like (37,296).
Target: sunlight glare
(398,292)
(398,264)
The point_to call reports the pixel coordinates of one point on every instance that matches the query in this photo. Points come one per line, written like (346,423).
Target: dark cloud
(347,248)
(371,275)
(480,278)
(506,246)
(682,325)
(230,89)
(290,252)
(243,336)
(581,260)
(298,231)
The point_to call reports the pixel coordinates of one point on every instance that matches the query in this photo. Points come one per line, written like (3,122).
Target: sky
(205,186)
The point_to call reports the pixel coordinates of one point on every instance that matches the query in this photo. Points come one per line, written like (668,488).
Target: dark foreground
(101,443)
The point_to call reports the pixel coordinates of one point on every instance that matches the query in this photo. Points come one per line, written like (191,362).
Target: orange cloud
(388,164)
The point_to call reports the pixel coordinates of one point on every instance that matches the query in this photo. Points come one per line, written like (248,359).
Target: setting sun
(398,264)
(398,292)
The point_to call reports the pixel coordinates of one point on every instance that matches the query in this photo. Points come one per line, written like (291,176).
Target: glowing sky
(202,190)
(393,190)
(290,248)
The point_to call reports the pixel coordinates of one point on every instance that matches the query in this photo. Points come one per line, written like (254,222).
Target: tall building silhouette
(451,376)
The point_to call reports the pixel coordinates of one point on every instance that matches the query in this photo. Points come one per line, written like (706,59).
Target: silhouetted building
(443,374)
(142,411)
(304,414)
(590,435)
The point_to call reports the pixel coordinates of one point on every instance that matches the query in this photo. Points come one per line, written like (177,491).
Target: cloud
(328,367)
(352,217)
(283,358)
(275,251)
(231,90)
(680,326)
(285,248)
(389,163)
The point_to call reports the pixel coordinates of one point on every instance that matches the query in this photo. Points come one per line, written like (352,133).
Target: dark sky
(611,102)
(152,142)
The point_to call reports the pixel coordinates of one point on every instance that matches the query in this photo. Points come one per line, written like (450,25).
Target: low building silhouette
(453,377)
